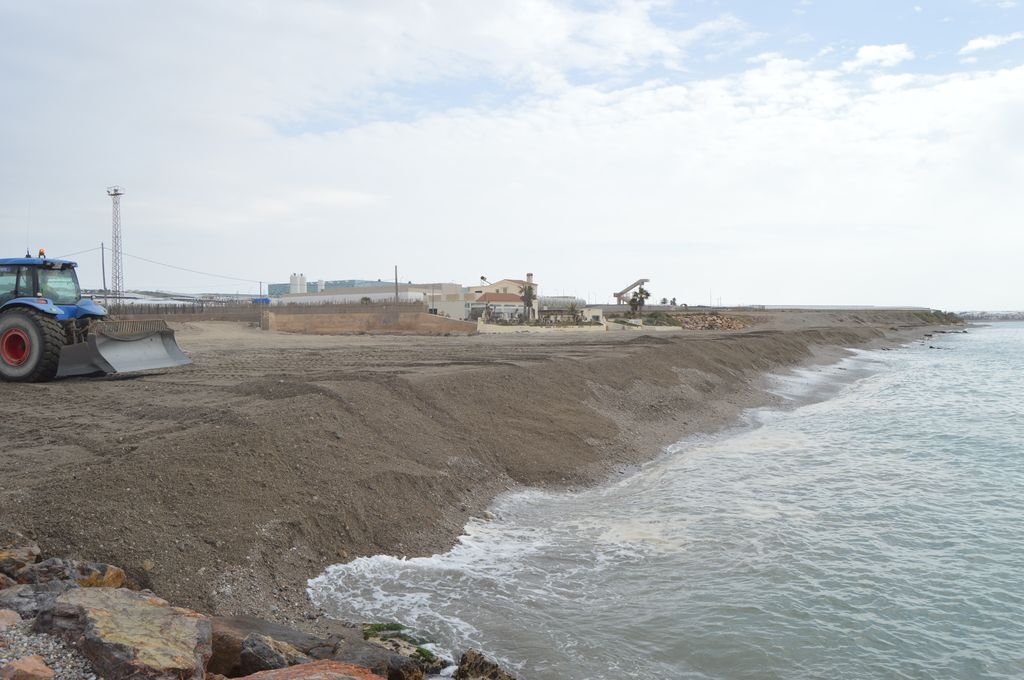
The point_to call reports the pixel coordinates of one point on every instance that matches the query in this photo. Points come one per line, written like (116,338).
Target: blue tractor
(48,330)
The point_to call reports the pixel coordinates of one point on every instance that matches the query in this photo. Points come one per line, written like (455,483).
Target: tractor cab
(51,286)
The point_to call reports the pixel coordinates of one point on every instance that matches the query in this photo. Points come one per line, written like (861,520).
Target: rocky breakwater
(63,619)
(713,322)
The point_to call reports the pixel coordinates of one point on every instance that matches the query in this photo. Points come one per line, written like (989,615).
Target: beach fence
(202,310)
(327,318)
(194,311)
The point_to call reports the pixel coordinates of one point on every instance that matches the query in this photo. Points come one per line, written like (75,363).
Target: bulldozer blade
(120,347)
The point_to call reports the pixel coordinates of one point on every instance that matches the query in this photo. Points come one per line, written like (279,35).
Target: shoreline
(630,400)
(828,360)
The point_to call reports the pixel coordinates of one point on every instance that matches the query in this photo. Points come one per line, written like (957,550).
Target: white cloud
(990,42)
(879,56)
(763,57)
(260,141)
(893,82)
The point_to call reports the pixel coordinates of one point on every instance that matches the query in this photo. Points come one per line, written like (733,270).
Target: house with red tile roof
(500,299)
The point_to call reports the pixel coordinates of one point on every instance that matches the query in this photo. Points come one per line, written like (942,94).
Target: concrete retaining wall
(414,323)
(498,328)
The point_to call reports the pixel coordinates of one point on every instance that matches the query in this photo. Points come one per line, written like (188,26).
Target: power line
(162,264)
(192,271)
(80,252)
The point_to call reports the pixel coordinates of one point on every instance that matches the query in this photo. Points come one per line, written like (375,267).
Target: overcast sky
(791,151)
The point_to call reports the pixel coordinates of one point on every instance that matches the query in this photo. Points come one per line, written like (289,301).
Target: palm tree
(528,297)
(638,300)
(574,312)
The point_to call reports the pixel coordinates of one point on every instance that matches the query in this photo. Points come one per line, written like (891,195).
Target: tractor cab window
(8,277)
(26,282)
(59,285)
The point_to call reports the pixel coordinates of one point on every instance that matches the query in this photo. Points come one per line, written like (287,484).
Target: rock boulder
(318,670)
(85,574)
(346,645)
(27,668)
(262,653)
(475,666)
(28,600)
(16,552)
(128,634)
(8,618)
(230,632)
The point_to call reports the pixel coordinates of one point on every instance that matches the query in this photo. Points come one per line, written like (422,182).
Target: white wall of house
(455,309)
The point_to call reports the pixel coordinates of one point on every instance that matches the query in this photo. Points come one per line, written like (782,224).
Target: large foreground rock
(16,552)
(318,670)
(475,666)
(85,574)
(128,634)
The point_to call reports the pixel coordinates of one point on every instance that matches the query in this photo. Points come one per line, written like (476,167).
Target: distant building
(506,286)
(287,289)
(561,308)
(495,305)
(297,284)
(501,299)
(432,295)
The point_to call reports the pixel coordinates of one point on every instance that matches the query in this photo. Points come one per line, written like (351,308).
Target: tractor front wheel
(30,346)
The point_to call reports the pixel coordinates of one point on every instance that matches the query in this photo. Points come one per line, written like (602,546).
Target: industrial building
(445,298)
(501,299)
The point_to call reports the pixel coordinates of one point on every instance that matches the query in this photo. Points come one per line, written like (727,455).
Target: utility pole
(259,307)
(103,268)
(396,284)
(116,264)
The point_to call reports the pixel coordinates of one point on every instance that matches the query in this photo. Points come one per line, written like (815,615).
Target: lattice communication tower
(116,265)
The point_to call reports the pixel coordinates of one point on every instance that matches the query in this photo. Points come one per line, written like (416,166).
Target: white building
(296,284)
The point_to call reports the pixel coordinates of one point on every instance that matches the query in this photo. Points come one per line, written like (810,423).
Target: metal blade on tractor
(122,346)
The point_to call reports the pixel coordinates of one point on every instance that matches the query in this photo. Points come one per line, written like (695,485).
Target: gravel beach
(225,485)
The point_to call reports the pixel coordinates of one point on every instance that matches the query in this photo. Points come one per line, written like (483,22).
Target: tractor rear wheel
(30,346)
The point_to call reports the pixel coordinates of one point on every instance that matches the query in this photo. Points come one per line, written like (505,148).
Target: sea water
(873,530)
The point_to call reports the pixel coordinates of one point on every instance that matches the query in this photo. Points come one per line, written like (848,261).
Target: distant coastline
(992,316)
